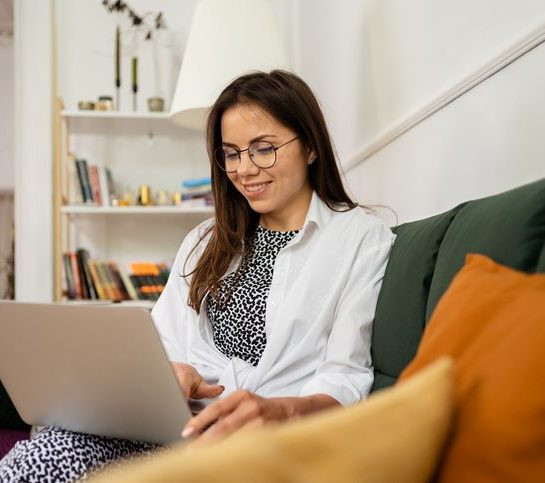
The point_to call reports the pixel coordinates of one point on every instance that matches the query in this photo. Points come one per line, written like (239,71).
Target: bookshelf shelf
(160,116)
(136,210)
(145,304)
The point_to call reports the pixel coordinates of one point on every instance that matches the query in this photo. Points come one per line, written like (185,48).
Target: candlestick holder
(117,68)
(134,83)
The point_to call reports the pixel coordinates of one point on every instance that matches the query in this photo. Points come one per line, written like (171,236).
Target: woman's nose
(246,165)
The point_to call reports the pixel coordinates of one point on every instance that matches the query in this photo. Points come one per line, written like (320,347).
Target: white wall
(33,151)
(489,140)
(375,63)
(331,57)
(7,116)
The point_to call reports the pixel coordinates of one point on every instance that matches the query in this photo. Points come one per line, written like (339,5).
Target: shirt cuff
(340,387)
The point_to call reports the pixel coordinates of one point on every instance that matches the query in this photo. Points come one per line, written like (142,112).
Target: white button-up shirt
(319,314)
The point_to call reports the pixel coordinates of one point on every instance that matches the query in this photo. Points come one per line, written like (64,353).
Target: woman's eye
(265,150)
(231,155)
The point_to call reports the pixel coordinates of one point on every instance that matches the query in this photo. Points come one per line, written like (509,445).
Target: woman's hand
(240,408)
(243,408)
(192,384)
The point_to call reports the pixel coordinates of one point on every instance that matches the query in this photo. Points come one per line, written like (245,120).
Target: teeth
(255,187)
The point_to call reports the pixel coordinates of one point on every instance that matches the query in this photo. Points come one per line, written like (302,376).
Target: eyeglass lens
(262,153)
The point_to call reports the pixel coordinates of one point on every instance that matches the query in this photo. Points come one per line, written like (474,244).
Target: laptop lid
(90,368)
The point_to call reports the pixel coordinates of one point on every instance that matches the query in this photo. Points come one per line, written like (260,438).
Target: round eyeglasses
(261,153)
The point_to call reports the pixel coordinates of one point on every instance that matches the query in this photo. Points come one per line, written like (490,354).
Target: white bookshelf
(140,148)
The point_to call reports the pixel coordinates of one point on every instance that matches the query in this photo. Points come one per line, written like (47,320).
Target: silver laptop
(92,369)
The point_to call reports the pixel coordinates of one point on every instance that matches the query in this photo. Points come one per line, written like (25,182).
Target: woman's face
(282,193)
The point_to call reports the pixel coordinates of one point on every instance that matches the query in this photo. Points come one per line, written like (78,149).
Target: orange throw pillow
(491,321)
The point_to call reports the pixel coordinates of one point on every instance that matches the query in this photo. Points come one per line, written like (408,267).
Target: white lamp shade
(228,38)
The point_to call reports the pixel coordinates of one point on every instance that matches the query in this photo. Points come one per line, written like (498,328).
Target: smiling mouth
(256,188)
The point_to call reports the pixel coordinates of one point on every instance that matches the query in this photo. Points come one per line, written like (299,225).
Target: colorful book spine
(118,281)
(89,289)
(83,176)
(107,282)
(89,279)
(131,289)
(75,195)
(69,276)
(77,277)
(148,278)
(97,281)
(95,183)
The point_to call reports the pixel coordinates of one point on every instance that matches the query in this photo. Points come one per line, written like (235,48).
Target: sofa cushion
(396,435)
(9,417)
(491,321)
(401,307)
(541,262)
(509,227)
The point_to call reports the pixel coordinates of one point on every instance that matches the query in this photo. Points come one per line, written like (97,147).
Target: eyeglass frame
(240,151)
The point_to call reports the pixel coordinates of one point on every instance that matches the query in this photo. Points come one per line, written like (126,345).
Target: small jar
(156,104)
(86,105)
(105,103)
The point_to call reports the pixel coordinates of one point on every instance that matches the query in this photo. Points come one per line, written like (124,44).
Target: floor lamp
(227,38)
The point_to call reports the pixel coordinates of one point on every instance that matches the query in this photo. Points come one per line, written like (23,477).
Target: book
(83,283)
(76,274)
(88,285)
(131,289)
(111,185)
(118,281)
(196,182)
(107,282)
(74,195)
(95,183)
(83,176)
(97,281)
(106,185)
(69,276)
(149,278)
(196,188)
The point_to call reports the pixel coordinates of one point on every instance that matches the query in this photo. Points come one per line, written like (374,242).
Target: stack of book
(88,279)
(93,184)
(197,191)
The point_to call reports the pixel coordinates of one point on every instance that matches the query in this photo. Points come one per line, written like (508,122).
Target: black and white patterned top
(238,314)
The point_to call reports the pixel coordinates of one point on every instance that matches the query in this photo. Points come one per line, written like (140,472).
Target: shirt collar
(318,212)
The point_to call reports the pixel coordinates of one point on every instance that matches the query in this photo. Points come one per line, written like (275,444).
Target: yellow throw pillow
(396,435)
(491,321)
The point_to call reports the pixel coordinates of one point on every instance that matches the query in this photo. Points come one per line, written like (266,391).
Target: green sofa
(508,227)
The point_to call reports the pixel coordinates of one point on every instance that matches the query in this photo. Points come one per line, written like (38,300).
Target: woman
(270,304)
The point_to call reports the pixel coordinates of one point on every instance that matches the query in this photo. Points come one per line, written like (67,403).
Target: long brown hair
(291,102)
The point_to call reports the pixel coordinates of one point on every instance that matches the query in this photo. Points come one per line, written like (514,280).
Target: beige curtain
(6,245)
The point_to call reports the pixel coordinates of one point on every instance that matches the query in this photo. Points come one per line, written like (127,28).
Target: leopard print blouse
(238,313)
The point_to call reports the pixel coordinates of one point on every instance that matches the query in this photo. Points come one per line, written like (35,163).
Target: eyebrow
(258,138)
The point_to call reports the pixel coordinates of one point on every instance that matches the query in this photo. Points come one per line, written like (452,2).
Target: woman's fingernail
(188,432)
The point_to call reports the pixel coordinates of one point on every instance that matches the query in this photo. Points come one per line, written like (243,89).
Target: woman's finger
(248,412)
(212,413)
(205,390)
